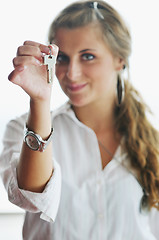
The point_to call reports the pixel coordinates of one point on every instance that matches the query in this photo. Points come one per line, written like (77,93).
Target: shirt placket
(101,207)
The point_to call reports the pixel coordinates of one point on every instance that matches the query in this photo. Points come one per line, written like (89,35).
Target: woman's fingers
(43,48)
(29,72)
(33,53)
(29,51)
(26,60)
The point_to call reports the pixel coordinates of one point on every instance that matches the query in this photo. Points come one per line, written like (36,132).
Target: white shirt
(81,201)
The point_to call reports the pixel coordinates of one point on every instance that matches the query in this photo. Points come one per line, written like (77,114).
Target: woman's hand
(30,73)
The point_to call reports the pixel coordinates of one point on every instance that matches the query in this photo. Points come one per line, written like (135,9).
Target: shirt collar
(66,109)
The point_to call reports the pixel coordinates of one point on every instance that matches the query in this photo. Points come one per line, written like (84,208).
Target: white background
(30,20)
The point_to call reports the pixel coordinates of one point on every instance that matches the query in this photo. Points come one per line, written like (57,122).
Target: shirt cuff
(46,202)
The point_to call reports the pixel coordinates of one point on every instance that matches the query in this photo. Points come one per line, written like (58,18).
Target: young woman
(96,175)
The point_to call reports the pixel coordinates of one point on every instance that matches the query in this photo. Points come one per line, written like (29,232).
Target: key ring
(50,56)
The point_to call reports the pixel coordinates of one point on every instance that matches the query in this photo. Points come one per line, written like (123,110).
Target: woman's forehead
(80,39)
(89,33)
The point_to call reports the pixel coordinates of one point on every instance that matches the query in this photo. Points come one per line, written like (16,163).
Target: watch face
(32,142)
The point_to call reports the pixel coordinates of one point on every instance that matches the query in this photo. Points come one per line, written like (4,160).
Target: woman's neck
(97,117)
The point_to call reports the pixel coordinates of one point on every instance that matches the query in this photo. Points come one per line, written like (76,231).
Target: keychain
(49,60)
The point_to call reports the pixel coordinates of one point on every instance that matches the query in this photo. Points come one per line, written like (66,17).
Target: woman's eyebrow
(87,49)
(84,50)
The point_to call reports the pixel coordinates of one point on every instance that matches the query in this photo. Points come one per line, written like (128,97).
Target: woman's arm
(35,168)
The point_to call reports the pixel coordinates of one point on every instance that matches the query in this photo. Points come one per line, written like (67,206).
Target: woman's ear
(119,64)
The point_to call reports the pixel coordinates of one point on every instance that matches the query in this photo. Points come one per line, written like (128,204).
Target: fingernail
(43,54)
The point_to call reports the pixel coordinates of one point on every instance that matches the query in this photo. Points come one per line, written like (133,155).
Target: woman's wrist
(39,119)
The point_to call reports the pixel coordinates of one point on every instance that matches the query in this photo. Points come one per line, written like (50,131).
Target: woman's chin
(78,102)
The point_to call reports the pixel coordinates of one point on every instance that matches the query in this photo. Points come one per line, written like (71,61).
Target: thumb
(14,76)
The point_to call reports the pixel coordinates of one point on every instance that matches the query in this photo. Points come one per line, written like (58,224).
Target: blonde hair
(81,13)
(141,139)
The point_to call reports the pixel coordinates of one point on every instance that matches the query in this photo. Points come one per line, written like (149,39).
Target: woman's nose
(74,71)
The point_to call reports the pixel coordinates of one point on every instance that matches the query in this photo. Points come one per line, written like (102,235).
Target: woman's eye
(88,56)
(62,58)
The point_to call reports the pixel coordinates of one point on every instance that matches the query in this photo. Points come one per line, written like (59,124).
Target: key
(49,60)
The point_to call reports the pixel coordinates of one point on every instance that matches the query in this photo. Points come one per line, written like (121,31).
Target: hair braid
(141,142)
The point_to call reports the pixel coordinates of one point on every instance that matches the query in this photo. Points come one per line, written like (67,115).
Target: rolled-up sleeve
(46,202)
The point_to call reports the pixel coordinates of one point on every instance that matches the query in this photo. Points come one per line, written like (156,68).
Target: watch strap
(42,143)
(45,143)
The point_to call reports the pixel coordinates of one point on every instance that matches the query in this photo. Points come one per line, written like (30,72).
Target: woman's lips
(76,87)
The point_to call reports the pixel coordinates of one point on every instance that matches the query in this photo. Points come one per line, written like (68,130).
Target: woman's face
(85,68)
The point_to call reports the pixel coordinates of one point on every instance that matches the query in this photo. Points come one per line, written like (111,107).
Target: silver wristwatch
(35,141)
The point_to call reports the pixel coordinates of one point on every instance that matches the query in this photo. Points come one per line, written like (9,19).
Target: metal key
(50,60)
